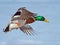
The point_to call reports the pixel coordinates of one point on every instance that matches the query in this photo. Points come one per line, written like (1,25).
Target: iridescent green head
(40,18)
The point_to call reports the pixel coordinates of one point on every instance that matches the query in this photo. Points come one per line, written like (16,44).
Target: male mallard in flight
(21,19)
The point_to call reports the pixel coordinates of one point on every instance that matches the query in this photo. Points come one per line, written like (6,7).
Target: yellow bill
(46,20)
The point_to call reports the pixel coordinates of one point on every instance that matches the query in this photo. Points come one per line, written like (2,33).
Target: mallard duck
(21,19)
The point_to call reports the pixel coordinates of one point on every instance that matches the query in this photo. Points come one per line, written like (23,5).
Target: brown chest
(29,20)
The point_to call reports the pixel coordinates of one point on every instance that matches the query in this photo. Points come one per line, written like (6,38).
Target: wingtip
(21,8)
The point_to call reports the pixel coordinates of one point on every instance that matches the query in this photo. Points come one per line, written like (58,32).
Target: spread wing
(26,29)
(25,14)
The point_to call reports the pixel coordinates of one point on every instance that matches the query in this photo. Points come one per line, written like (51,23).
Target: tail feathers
(6,29)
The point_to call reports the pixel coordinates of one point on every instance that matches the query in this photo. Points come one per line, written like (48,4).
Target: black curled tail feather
(6,29)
